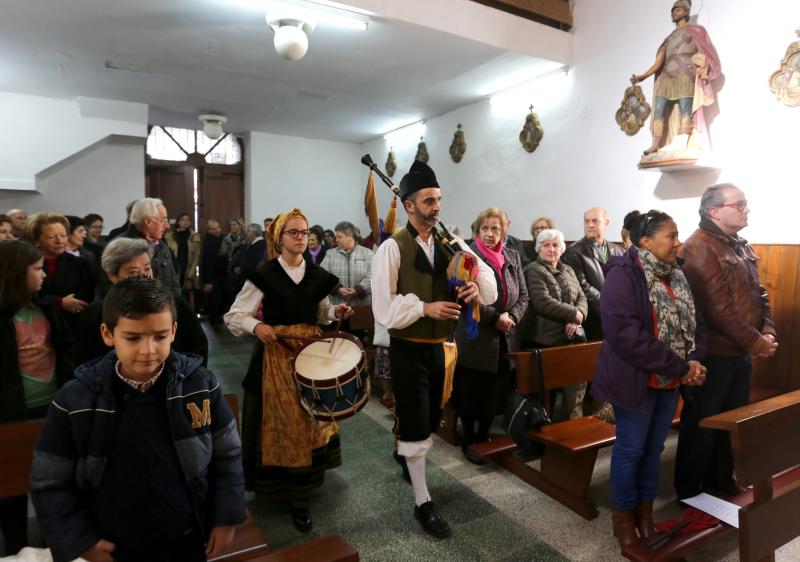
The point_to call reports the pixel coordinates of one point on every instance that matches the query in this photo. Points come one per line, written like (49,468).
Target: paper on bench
(722,510)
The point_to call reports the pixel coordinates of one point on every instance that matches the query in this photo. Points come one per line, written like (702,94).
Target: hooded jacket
(70,457)
(630,349)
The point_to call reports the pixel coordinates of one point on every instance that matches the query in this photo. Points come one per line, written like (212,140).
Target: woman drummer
(285,452)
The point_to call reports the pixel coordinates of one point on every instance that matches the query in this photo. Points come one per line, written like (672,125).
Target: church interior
(542,108)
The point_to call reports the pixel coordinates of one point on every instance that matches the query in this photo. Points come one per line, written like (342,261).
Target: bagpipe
(461,269)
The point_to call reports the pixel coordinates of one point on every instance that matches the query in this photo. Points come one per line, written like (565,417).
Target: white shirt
(400,311)
(241,318)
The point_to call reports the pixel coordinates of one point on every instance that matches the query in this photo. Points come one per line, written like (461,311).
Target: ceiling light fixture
(292,22)
(212,125)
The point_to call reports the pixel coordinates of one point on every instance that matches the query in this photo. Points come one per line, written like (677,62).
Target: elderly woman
(316,248)
(69,285)
(537,226)
(130,257)
(352,264)
(483,376)
(651,346)
(557,307)
(285,452)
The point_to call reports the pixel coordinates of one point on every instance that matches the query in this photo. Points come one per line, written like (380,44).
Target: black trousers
(418,379)
(704,459)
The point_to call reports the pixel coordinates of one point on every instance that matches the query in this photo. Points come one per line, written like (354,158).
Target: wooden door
(174,185)
(221,194)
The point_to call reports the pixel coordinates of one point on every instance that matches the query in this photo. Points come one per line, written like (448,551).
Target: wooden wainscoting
(779,269)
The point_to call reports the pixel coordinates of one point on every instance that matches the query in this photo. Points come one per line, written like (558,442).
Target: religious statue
(686,64)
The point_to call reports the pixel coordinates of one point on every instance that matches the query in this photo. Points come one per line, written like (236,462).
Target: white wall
(584,158)
(43,131)
(323,178)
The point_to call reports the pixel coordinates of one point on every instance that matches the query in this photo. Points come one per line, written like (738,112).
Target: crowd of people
(115,312)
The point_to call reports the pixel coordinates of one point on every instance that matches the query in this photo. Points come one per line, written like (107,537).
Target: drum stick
(339,323)
(301,338)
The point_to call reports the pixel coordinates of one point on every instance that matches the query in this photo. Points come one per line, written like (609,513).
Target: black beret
(420,176)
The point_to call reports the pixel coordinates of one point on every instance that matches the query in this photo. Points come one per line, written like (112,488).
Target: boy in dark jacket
(139,458)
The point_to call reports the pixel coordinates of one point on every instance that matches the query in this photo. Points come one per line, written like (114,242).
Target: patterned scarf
(675,320)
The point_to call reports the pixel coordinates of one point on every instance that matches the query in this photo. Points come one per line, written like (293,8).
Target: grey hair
(146,208)
(550,234)
(713,196)
(255,227)
(122,250)
(347,228)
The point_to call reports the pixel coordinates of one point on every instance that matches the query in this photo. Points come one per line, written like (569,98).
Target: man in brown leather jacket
(722,270)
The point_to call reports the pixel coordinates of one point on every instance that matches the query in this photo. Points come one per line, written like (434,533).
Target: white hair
(146,208)
(122,250)
(550,234)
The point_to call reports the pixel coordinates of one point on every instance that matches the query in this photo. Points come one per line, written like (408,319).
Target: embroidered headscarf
(275,229)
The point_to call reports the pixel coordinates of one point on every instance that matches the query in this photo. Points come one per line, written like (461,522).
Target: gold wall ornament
(531,134)
(633,111)
(458,147)
(785,82)
(391,163)
(422,151)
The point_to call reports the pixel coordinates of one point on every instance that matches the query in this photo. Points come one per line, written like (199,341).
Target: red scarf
(496,260)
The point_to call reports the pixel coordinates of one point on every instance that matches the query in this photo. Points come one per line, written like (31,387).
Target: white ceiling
(203,55)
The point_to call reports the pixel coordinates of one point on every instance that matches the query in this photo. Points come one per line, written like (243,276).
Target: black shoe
(401,460)
(431,521)
(473,457)
(302,520)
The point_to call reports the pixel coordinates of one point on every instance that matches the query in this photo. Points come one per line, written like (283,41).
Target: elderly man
(19,218)
(723,273)
(586,257)
(148,220)
(247,258)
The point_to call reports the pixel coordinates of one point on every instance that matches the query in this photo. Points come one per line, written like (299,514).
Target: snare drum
(332,381)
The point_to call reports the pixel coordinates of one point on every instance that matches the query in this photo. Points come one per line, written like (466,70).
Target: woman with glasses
(651,346)
(483,375)
(538,225)
(285,452)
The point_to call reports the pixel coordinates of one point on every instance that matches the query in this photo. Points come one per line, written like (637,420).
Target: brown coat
(727,291)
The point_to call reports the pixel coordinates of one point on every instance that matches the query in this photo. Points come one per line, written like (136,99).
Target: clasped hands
(696,375)
(571,327)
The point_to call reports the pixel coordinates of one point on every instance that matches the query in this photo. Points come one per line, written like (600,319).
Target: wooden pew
(570,447)
(16,455)
(764,436)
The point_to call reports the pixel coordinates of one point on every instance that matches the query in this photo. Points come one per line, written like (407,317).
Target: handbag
(524,413)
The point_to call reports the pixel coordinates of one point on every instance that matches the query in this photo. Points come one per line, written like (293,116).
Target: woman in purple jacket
(651,346)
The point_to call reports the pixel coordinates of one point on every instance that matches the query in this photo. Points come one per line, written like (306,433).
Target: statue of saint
(686,63)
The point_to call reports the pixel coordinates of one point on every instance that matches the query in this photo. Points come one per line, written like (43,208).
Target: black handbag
(524,413)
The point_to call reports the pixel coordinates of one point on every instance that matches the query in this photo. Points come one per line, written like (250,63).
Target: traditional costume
(285,451)
(408,272)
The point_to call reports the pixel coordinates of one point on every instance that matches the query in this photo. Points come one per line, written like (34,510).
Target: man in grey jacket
(148,220)
(586,257)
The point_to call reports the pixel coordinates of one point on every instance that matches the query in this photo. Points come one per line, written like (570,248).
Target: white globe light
(291,42)
(213,130)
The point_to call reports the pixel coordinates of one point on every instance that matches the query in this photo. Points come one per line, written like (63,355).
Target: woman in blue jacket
(651,346)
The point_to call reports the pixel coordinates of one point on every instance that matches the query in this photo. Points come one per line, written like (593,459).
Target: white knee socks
(414,452)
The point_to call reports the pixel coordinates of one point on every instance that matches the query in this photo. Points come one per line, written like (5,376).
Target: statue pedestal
(678,161)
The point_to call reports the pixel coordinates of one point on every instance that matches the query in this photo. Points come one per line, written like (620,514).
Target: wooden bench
(764,436)
(571,446)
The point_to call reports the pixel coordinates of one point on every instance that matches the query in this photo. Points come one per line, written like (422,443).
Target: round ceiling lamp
(291,27)
(212,125)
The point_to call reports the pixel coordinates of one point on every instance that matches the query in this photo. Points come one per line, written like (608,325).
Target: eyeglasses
(740,205)
(294,233)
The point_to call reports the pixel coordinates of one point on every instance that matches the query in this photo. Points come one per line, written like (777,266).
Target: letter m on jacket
(200,418)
